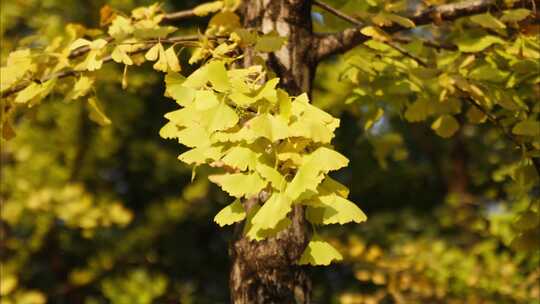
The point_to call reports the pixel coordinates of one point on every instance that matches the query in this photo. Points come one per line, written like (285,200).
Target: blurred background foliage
(107,214)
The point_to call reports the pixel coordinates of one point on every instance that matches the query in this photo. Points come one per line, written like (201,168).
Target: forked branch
(331,44)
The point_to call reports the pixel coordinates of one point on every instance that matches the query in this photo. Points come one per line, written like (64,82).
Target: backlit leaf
(319,252)
(231,214)
(445,126)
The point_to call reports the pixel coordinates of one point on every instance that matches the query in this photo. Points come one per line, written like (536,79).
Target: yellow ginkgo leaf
(241,158)
(194,136)
(81,88)
(218,118)
(96,114)
(205,99)
(208,8)
(239,184)
(274,210)
(231,214)
(268,126)
(333,209)
(176,90)
(201,155)
(153,53)
(172,60)
(120,28)
(445,126)
(319,252)
(119,55)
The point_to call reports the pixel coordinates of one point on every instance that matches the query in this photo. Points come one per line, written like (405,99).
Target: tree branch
(330,44)
(71,72)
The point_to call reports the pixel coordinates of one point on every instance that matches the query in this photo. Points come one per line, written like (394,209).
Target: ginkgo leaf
(419,110)
(445,126)
(205,99)
(193,136)
(314,130)
(274,210)
(81,87)
(120,28)
(184,117)
(239,184)
(231,214)
(30,92)
(201,155)
(255,232)
(270,42)
(218,118)
(319,252)
(268,126)
(172,60)
(96,114)
(487,20)
(213,72)
(375,33)
(515,15)
(35,92)
(241,158)
(307,178)
(153,53)
(527,128)
(18,64)
(476,42)
(120,56)
(333,209)
(330,185)
(208,8)
(271,175)
(169,131)
(217,75)
(176,90)
(328,159)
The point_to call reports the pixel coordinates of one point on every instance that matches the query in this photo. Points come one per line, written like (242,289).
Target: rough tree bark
(265,271)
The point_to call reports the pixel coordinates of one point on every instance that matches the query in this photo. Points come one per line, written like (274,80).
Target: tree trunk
(266,271)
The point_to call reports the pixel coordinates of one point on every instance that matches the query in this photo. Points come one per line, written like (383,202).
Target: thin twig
(70,72)
(361,24)
(330,44)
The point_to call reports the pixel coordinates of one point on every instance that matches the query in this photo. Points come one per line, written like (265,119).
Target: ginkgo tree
(245,111)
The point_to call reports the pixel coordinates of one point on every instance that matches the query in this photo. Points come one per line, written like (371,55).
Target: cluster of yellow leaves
(266,142)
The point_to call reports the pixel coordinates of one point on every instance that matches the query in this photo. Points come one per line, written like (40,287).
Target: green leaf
(515,15)
(319,252)
(333,209)
(419,110)
(476,42)
(527,128)
(445,126)
(488,21)
(239,184)
(270,42)
(231,214)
